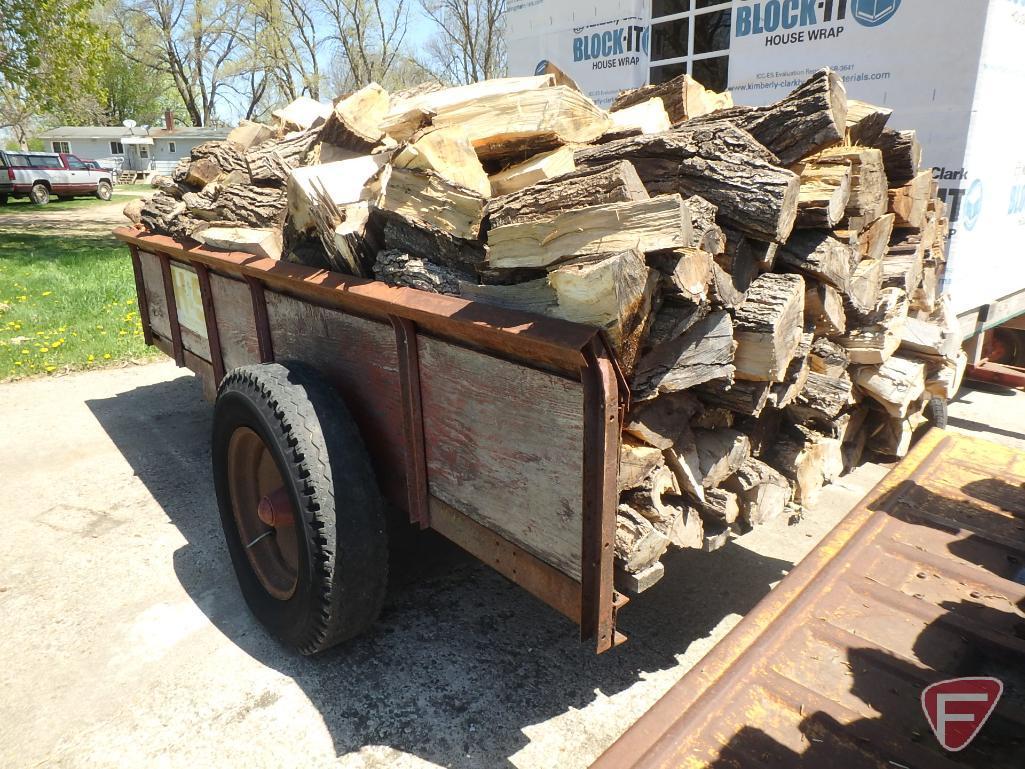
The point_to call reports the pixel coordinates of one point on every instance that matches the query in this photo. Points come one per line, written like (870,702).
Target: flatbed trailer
(498,429)
(922,582)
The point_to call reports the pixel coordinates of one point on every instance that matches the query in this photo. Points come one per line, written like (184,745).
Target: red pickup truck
(42,175)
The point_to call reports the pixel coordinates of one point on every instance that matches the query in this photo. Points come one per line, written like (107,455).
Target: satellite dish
(129,124)
(145,128)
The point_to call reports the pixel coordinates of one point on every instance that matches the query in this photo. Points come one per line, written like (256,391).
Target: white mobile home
(144,150)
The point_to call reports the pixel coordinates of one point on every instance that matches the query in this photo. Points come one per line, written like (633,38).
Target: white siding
(86,149)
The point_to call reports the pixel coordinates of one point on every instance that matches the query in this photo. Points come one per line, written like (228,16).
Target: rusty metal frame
(213,334)
(599,600)
(572,350)
(140,293)
(263,335)
(172,310)
(413,421)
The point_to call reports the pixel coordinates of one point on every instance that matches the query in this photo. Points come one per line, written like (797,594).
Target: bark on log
(821,400)
(271,161)
(466,256)
(708,236)
(615,182)
(743,397)
(673,319)
(663,422)
(398,269)
(902,154)
(703,353)
(828,358)
(720,508)
(817,254)
(724,291)
(228,156)
(767,327)
(812,117)
(720,454)
(719,162)
(253,206)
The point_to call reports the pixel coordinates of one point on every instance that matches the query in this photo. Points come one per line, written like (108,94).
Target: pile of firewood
(768,277)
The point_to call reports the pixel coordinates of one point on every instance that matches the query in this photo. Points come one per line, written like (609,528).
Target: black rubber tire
(3,200)
(343,553)
(104,191)
(39,194)
(936,412)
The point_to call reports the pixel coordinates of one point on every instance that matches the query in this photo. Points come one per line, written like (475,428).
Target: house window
(61,147)
(143,151)
(117,148)
(691,36)
(171,148)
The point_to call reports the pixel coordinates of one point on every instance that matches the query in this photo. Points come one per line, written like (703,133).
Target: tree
(470,42)
(191,41)
(134,90)
(369,35)
(287,46)
(51,56)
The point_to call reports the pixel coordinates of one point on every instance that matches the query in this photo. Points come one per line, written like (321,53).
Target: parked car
(42,175)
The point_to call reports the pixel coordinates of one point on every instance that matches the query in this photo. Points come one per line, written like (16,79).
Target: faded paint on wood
(159,319)
(505,446)
(359,357)
(235,324)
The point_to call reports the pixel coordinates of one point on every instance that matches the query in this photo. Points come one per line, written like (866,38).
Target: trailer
(923,582)
(339,399)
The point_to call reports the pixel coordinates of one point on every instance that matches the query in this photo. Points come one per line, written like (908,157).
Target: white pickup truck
(42,175)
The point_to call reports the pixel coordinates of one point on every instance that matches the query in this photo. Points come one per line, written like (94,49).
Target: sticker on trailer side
(188,299)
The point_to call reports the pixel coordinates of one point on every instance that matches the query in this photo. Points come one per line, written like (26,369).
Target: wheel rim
(263,512)
(105,192)
(39,196)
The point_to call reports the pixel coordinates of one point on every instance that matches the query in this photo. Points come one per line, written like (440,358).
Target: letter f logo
(957,709)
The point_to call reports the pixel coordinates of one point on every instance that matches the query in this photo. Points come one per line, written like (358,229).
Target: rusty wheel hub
(263,513)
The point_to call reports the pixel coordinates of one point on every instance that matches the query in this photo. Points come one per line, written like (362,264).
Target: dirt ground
(126,642)
(88,220)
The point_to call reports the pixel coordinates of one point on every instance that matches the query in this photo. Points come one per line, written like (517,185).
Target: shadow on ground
(461,660)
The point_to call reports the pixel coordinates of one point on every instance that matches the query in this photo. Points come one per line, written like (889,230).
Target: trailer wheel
(104,191)
(39,194)
(936,412)
(302,515)
(3,200)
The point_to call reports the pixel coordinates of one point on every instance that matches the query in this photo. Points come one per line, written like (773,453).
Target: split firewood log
(720,453)
(895,384)
(824,309)
(865,122)
(686,273)
(638,544)
(354,123)
(449,154)
(876,341)
(828,358)
(817,254)
(762,492)
(646,225)
(719,162)
(742,397)
(616,182)
(825,191)
(810,118)
(902,154)
(869,194)
(767,327)
(783,394)
(909,203)
(663,422)
(703,353)
(544,165)
(683,98)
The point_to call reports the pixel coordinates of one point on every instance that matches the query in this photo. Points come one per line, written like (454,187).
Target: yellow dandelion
(17,363)
(22,298)
(106,356)
(25,352)
(46,293)
(51,368)
(90,359)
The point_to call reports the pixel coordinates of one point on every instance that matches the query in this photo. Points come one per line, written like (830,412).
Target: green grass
(26,206)
(66,303)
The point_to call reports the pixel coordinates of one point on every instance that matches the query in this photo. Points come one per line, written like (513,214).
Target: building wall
(86,149)
(93,149)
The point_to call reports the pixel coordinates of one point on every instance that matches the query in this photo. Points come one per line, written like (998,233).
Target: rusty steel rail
(922,582)
(570,350)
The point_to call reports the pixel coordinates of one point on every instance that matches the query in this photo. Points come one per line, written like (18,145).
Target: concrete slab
(126,641)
